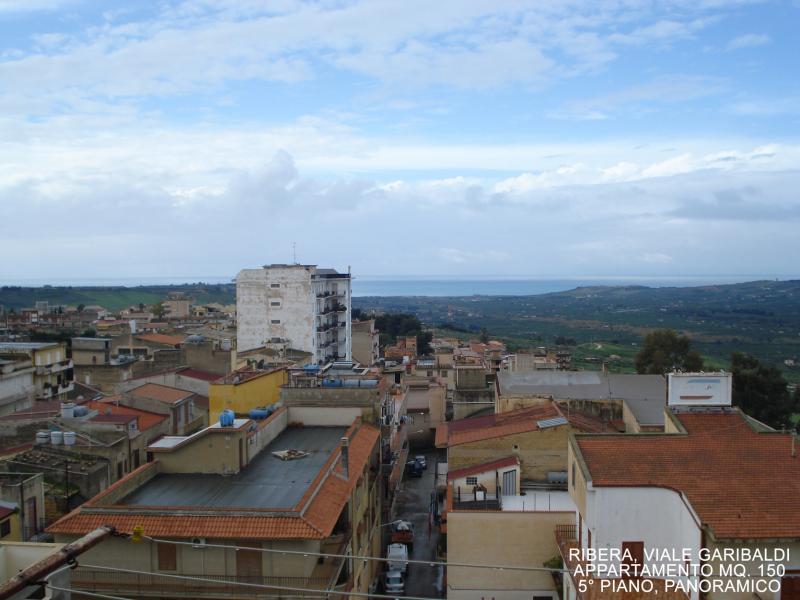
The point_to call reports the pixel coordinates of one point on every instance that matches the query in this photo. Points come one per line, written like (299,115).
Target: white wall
(656,516)
(17,391)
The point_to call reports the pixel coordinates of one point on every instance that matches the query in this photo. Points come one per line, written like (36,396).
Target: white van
(393,582)
(397,557)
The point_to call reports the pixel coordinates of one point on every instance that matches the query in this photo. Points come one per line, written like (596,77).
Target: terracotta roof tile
(146,419)
(181,526)
(161,338)
(499,424)
(162,393)
(729,472)
(484,467)
(324,510)
(198,374)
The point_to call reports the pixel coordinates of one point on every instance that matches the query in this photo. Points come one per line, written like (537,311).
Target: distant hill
(113,297)
(758,317)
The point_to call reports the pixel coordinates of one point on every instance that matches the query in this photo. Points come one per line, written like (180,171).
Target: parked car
(403,533)
(413,468)
(422,461)
(393,582)
(397,557)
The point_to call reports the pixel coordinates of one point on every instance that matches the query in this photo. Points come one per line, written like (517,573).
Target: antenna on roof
(294,252)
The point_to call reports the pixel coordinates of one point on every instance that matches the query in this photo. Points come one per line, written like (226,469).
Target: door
(634,557)
(248,562)
(510,483)
(790,585)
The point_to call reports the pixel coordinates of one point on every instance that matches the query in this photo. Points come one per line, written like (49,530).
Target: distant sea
(430,286)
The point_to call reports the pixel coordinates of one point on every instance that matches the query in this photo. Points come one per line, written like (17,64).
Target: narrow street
(413,504)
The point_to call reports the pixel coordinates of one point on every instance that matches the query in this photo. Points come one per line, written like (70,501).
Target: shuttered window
(167,557)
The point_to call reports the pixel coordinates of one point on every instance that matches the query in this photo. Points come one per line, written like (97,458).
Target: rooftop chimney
(344,457)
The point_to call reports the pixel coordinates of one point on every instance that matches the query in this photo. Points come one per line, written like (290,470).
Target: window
(5,528)
(573,474)
(167,557)
(275,321)
(275,303)
(274,285)
(472,481)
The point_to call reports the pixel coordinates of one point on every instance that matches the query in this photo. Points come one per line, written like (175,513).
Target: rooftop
(198,374)
(19,346)
(145,419)
(243,375)
(464,431)
(162,393)
(508,461)
(645,395)
(267,482)
(161,338)
(728,468)
(313,517)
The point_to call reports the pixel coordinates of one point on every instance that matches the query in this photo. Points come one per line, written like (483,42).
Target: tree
(760,391)
(394,325)
(81,307)
(158,310)
(664,351)
(484,335)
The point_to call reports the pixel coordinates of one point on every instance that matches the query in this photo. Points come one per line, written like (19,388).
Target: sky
(545,138)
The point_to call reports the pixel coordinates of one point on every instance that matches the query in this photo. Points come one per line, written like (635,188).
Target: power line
(430,563)
(262,586)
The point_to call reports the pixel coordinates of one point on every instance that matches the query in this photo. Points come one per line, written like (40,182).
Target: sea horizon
(430,285)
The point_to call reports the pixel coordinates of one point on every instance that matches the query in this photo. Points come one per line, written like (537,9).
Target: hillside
(761,318)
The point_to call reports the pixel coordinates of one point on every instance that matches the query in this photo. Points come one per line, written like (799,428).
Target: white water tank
(56,438)
(225,344)
(67,410)
(42,437)
(69,438)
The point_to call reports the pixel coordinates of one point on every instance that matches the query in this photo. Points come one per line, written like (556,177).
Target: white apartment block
(306,307)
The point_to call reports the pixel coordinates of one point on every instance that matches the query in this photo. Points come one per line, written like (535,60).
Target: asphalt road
(413,504)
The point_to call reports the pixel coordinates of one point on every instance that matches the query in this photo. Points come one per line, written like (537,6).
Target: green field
(760,318)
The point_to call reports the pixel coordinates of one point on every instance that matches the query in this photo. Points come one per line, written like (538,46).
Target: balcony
(477,500)
(566,538)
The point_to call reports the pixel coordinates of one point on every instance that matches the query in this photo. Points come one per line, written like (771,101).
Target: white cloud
(202,46)
(665,89)
(749,40)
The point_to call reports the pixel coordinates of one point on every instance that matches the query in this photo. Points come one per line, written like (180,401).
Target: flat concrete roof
(11,346)
(645,395)
(267,482)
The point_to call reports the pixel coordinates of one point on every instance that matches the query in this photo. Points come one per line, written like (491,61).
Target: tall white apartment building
(306,307)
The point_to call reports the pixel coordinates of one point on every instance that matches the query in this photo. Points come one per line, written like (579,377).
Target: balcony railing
(566,538)
(477,500)
(212,586)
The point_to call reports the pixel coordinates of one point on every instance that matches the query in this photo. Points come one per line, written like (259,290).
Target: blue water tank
(331,383)
(80,411)
(226,418)
(257,414)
